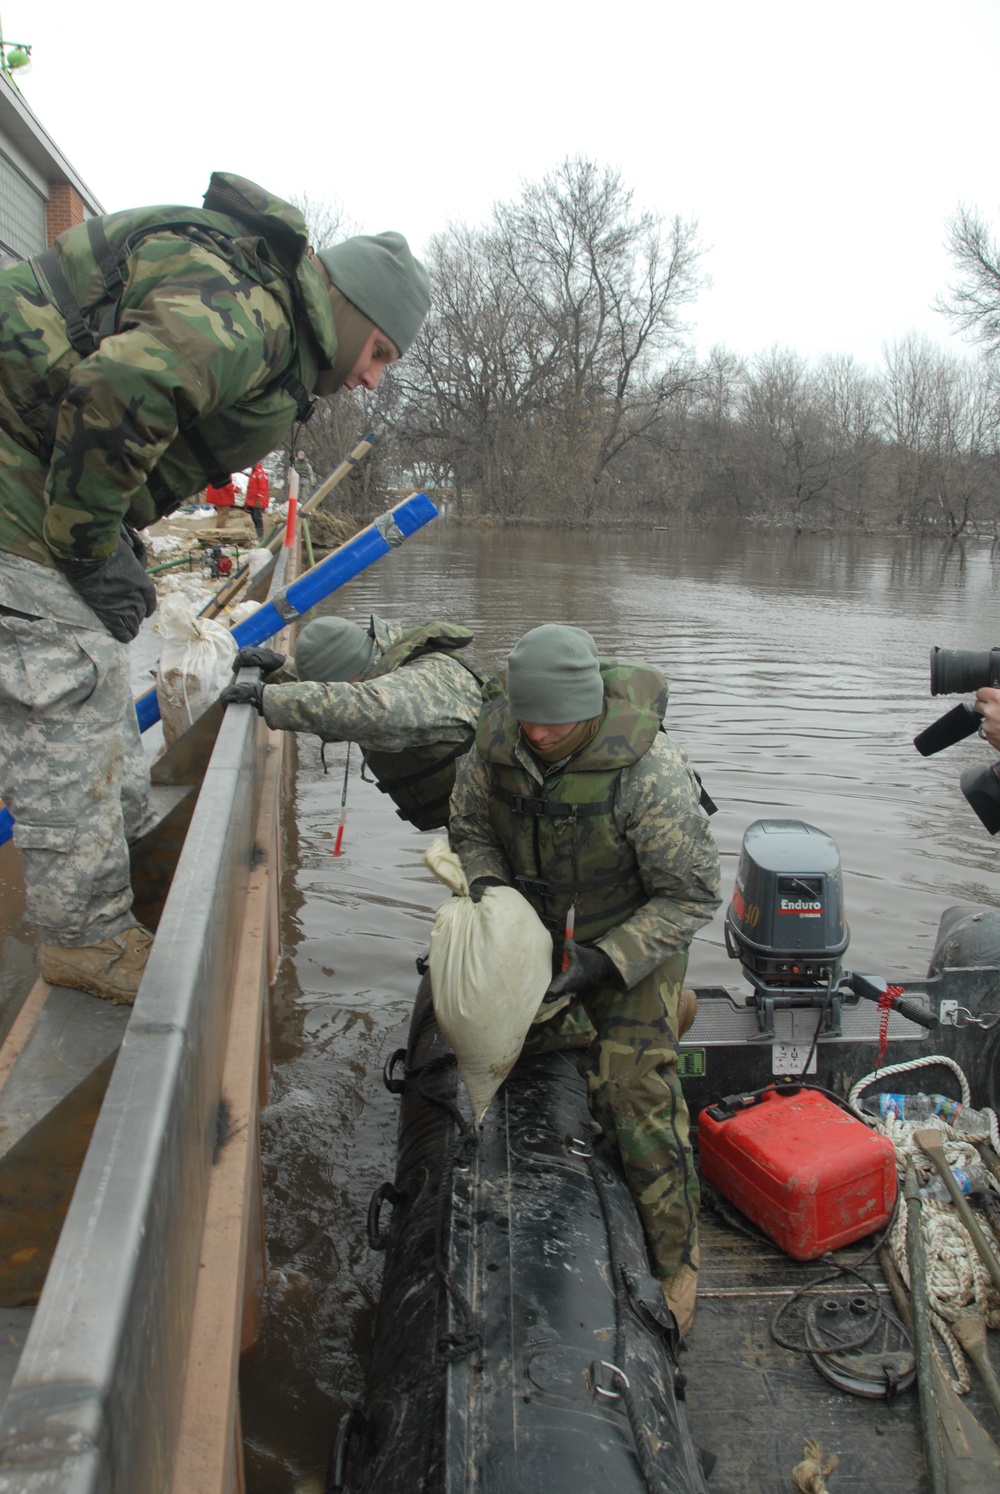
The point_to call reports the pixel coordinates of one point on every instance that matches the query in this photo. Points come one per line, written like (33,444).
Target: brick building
(40,193)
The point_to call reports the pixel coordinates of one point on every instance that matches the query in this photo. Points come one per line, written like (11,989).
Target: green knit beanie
(553,676)
(378,274)
(330,649)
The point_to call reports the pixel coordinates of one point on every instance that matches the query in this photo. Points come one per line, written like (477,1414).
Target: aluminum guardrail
(95,1401)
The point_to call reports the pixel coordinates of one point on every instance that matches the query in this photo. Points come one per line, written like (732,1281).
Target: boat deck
(753,1403)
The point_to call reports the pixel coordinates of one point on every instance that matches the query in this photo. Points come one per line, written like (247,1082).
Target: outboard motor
(785,923)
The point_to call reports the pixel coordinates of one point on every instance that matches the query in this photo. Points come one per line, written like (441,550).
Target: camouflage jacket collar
(635,703)
(385,635)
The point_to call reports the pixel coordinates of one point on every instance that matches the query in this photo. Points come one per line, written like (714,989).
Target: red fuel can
(809,1175)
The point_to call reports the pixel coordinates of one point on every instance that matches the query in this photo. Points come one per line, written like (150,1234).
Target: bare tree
(608,287)
(940,422)
(973,301)
(554,343)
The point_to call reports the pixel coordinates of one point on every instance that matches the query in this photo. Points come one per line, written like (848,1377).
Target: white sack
(491,964)
(196,664)
(235,615)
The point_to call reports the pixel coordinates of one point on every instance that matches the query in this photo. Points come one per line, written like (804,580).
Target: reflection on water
(799,676)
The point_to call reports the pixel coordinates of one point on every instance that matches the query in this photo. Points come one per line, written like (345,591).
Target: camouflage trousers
(635,1095)
(72,769)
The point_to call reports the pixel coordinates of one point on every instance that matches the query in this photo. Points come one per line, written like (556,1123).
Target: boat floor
(753,1404)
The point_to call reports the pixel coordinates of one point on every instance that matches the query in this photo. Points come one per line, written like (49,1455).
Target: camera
(954,670)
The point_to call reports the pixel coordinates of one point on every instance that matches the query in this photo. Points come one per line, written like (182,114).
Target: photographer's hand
(987,704)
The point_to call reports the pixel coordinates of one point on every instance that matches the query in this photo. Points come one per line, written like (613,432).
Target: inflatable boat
(521,1341)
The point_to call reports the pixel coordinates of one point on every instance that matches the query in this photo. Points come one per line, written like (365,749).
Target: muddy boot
(112,969)
(687,1010)
(680,1292)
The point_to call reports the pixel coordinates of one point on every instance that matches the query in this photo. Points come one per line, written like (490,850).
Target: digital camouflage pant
(72,770)
(634,1093)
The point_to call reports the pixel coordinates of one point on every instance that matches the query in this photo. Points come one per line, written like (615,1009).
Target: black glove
(135,539)
(589,968)
(244,695)
(258,658)
(117,589)
(479,886)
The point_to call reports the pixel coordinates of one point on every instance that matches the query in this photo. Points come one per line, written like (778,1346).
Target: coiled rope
(957,1281)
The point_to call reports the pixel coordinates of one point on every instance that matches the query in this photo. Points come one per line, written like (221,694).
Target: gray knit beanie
(378,274)
(553,676)
(331,649)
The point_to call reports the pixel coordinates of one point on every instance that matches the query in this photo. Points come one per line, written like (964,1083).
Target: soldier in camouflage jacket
(144,355)
(409,697)
(577,797)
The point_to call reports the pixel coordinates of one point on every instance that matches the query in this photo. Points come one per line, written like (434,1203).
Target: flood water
(798,669)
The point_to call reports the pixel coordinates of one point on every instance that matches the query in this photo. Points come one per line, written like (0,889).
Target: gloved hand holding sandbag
(491,964)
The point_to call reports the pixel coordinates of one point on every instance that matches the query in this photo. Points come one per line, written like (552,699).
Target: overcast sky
(820,146)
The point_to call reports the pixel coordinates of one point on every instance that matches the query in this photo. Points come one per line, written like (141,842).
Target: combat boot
(680,1292)
(687,1010)
(112,969)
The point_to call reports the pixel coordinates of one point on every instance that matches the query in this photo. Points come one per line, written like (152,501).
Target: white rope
(957,1280)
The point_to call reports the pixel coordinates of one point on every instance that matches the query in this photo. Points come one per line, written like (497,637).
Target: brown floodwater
(799,676)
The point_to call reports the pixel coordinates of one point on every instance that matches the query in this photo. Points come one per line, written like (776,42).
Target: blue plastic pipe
(353,557)
(335,571)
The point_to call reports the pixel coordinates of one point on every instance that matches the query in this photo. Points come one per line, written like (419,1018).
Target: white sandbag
(235,615)
(256,561)
(196,664)
(491,963)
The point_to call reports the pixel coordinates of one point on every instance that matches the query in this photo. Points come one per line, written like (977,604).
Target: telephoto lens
(956,670)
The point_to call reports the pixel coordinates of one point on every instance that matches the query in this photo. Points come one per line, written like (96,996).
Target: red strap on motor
(886,1001)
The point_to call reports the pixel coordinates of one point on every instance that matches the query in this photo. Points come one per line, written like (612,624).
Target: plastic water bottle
(920,1107)
(970,1180)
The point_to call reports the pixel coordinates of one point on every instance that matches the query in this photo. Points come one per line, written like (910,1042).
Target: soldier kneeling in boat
(597,811)
(409,697)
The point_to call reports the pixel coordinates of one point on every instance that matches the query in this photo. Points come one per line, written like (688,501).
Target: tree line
(555,381)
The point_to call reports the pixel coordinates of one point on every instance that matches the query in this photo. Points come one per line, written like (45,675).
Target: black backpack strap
(300,394)
(215,472)
(57,289)
(107,261)
(705,799)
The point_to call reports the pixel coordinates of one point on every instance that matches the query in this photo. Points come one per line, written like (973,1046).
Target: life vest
(419,781)
(84,276)
(560,835)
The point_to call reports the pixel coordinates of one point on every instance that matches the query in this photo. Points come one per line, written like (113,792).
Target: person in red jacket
(257,498)
(223,499)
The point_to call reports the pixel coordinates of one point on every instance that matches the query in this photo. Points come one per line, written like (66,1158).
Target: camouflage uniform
(148,353)
(413,713)
(71,759)
(307,476)
(630,797)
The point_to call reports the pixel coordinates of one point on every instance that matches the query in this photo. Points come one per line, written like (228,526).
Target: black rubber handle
(873,988)
(915,1013)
